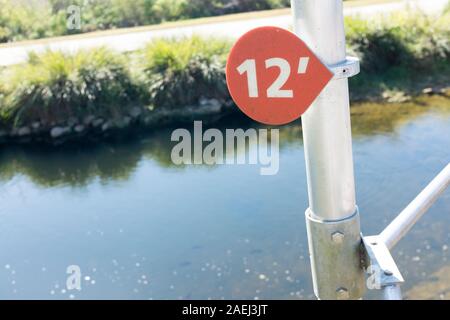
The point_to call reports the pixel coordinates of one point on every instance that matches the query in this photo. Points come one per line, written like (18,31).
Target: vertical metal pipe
(326,124)
(332,218)
(392,292)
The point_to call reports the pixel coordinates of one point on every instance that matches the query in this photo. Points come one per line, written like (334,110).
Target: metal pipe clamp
(335,249)
(346,69)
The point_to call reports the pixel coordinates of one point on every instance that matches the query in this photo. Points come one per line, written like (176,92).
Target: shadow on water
(76,164)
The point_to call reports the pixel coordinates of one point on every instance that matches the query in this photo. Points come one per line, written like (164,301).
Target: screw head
(388,272)
(337,237)
(342,293)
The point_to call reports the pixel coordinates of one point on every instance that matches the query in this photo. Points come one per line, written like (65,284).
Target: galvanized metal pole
(332,217)
(392,292)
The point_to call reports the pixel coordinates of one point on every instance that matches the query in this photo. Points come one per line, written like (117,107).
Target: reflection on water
(140,227)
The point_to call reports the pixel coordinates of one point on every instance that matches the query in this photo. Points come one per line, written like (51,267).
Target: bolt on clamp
(379,263)
(346,69)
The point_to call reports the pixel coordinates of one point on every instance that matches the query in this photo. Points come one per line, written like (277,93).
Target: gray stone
(122,123)
(203,101)
(88,120)
(135,112)
(210,104)
(395,96)
(428,91)
(107,125)
(23,131)
(126,120)
(36,125)
(72,121)
(79,128)
(97,122)
(214,103)
(148,120)
(58,132)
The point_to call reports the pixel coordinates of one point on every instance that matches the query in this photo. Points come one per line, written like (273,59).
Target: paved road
(134,40)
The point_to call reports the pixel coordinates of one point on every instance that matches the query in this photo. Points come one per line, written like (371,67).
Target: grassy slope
(183,23)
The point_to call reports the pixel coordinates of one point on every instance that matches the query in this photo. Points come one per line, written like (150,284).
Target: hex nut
(337,237)
(388,272)
(342,293)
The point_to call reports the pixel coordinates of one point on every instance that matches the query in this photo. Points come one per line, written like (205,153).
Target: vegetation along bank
(55,96)
(25,19)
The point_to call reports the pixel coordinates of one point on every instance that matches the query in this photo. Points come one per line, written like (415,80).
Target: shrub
(447,8)
(39,19)
(169,10)
(378,45)
(55,86)
(428,38)
(396,53)
(179,72)
(18,22)
(203,8)
(235,6)
(412,40)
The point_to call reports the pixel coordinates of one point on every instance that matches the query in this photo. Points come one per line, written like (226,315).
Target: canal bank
(57,97)
(92,129)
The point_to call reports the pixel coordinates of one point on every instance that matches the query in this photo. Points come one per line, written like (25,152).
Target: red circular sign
(272,75)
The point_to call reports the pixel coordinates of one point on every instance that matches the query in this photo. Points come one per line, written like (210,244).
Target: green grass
(42,19)
(399,54)
(402,52)
(178,73)
(402,39)
(46,20)
(447,8)
(53,87)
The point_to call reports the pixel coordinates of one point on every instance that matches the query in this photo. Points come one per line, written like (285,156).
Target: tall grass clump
(447,7)
(400,54)
(19,21)
(204,8)
(405,39)
(179,72)
(55,86)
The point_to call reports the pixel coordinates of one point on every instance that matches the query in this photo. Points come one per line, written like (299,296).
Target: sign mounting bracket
(346,69)
(382,267)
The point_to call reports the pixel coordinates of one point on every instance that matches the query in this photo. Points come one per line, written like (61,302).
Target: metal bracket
(383,268)
(346,69)
(334,248)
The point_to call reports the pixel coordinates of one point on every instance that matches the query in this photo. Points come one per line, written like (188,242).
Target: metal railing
(398,228)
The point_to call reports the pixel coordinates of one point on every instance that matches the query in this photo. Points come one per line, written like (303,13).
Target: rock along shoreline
(208,110)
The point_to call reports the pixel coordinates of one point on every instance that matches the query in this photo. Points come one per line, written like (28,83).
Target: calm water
(141,228)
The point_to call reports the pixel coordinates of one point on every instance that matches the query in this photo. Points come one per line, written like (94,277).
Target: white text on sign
(274,91)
